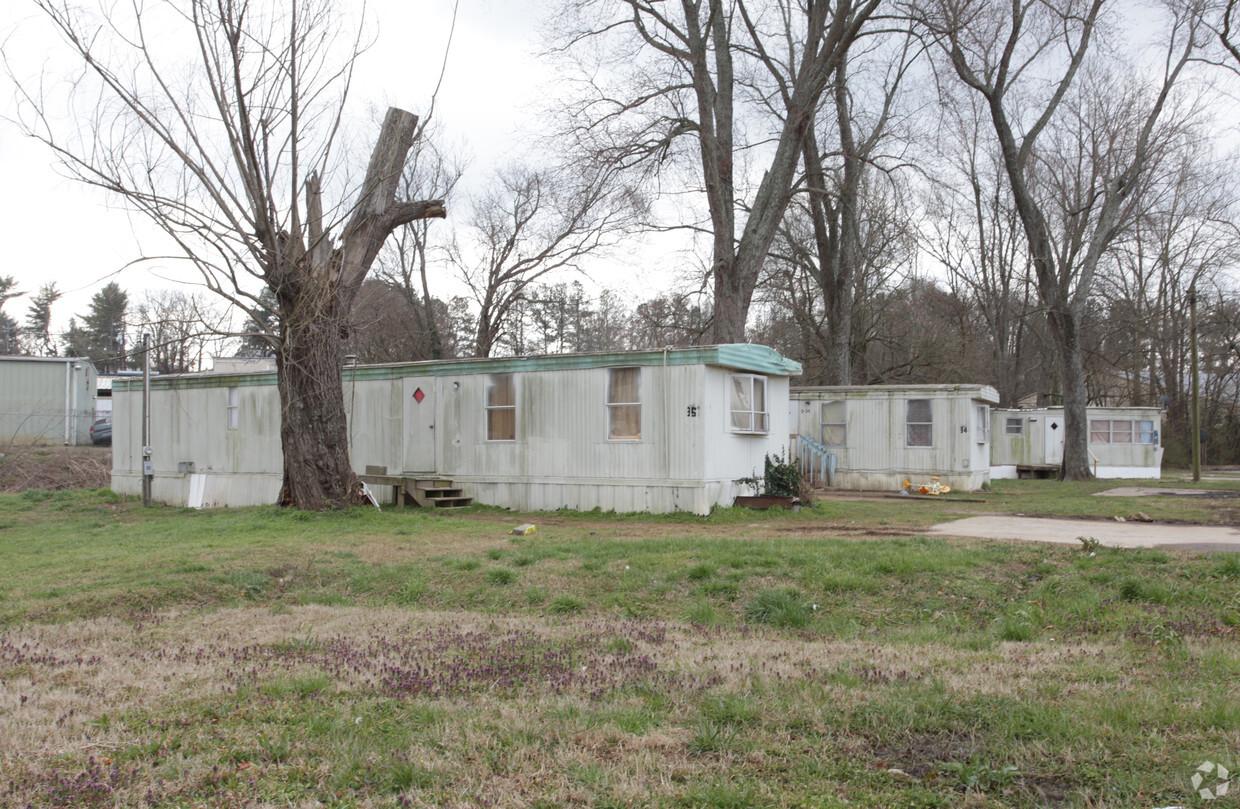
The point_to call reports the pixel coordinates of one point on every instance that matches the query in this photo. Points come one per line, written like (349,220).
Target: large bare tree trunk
(315,285)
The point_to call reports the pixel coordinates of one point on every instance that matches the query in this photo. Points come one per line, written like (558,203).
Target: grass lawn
(832,657)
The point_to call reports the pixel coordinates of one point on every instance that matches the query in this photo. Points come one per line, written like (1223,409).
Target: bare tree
(972,229)
(836,182)
(1023,58)
(530,223)
(184,329)
(743,81)
(404,262)
(217,120)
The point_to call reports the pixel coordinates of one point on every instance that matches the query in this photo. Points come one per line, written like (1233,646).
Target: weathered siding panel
(1039,447)
(876,453)
(431,418)
(47,400)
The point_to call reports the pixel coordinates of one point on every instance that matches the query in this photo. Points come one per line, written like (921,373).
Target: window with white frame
(983,424)
(624,404)
(234,408)
(1014,427)
(1121,431)
(501,408)
(918,423)
(1145,432)
(747,404)
(834,430)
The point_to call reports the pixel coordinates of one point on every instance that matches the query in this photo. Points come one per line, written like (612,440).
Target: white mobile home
(1123,442)
(47,400)
(882,435)
(651,431)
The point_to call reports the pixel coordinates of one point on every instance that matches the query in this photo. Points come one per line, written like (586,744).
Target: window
(834,424)
(983,424)
(1146,433)
(501,408)
(748,404)
(1121,431)
(234,408)
(1014,427)
(1099,431)
(919,423)
(624,404)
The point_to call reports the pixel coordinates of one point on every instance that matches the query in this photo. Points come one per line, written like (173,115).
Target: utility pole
(1195,421)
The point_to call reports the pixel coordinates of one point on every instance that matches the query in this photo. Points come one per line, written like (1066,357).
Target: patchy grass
(257,657)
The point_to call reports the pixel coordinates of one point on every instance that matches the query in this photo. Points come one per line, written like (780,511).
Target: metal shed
(46,400)
(1124,442)
(882,435)
(654,431)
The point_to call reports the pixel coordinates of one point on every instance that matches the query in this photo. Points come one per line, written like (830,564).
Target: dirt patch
(54,468)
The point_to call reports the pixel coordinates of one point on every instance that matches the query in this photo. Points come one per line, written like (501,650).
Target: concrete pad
(1110,534)
(1150,491)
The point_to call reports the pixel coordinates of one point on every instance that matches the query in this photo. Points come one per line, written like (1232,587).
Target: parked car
(101,433)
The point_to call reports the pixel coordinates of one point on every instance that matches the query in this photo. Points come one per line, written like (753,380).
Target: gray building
(46,400)
(883,435)
(1124,442)
(656,431)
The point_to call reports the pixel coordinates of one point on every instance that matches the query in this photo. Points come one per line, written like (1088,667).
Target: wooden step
(426,492)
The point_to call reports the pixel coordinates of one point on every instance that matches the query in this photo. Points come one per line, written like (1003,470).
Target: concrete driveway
(1110,534)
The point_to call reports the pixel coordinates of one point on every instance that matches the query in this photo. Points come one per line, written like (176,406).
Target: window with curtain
(747,404)
(624,404)
(983,424)
(834,429)
(919,423)
(501,408)
(234,408)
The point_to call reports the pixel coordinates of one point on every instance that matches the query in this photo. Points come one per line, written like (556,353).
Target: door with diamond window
(420,440)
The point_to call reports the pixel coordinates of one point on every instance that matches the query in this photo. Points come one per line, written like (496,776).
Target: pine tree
(39,340)
(105,328)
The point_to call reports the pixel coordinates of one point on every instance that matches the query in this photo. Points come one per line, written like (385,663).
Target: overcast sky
(58,230)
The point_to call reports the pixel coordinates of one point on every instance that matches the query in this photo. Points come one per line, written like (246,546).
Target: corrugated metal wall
(876,454)
(685,459)
(36,405)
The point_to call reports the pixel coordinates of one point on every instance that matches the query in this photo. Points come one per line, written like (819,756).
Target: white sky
(56,229)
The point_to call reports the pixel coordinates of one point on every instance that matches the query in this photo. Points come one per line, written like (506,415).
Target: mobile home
(882,435)
(656,431)
(46,400)
(1124,442)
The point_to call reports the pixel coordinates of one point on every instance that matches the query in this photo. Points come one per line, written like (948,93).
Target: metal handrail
(814,457)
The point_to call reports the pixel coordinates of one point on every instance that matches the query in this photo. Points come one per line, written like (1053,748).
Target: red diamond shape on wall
(418,396)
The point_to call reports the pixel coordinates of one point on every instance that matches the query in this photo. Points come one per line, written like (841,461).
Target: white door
(1054,440)
(420,443)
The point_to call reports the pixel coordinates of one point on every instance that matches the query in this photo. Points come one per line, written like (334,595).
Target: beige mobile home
(1123,442)
(46,400)
(882,435)
(650,431)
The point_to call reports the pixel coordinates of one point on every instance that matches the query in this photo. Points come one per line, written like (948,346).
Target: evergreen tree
(8,326)
(105,328)
(39,340)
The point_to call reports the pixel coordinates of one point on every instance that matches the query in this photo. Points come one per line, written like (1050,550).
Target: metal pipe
(73,378)
(147,469)
(68,371)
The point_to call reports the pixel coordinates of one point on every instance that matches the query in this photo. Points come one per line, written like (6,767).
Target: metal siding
(562,456)
(32,400)
(1110,460)
(876,456)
